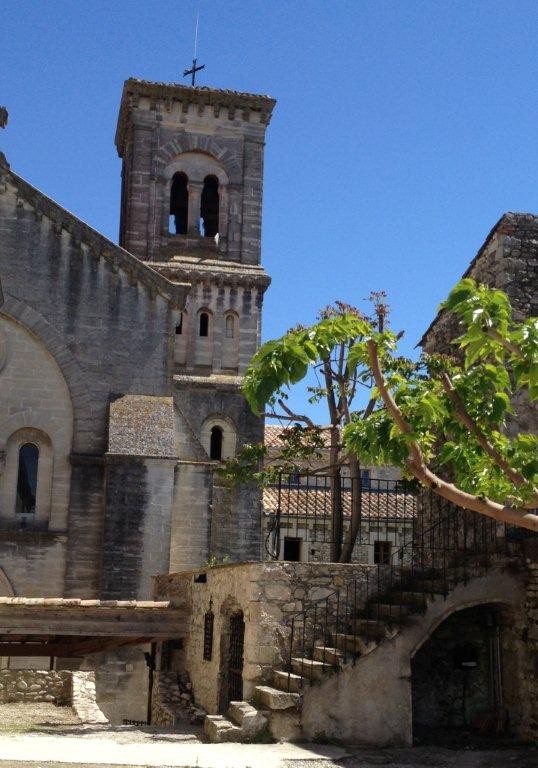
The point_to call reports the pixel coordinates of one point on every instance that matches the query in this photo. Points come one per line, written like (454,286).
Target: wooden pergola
(64,627)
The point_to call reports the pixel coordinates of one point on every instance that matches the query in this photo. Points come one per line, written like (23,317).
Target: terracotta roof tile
(300,502)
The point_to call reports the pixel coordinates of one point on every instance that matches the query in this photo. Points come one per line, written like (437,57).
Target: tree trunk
(356,510)
(336,499)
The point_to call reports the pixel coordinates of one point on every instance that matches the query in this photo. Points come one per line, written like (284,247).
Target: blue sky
(403,130)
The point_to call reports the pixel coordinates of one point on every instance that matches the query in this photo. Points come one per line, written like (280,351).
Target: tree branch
(291,416)
(417,467)
(494,334)
(466,420)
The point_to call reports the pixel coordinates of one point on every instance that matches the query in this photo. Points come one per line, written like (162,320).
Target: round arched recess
(457,676)
(217,429)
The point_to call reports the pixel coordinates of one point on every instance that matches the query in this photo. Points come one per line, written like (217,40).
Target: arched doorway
(457,681)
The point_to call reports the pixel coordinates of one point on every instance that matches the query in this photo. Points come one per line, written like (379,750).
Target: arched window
(230,326)
(209,208)
(179,203)
(215,443)
(27,479)
(204,324)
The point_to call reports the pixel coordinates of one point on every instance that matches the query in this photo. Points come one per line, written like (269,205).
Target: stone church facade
(121,365)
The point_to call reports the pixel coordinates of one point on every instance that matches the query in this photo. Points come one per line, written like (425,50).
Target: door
(235,657)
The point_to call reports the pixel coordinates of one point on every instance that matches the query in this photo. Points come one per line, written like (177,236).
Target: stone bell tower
(191,207)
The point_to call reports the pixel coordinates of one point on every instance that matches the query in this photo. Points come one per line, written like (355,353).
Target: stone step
(251,721)
(288,681)
(219,729)
(332,656)
(351,644)
(311,669)
(370,628)
(273,698)
(387,610)
(431,586)
(416,599)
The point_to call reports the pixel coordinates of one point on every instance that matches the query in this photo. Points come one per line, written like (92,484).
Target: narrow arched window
(179,203)
(27,478)
(179,326)
(230,326)
(204,324)
(215,444)
(209,208)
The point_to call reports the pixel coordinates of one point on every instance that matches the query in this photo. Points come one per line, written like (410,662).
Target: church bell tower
(191,205)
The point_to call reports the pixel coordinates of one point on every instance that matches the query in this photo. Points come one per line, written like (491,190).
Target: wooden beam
(66,648)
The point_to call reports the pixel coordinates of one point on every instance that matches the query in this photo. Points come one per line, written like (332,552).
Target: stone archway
(456,678)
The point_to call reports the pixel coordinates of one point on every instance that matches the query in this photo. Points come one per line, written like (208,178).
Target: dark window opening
(179,326)
(365,479)
(204,324)
(27,479)
(215,444)
(179,203)
(292,549)
(382,552)
(209,208)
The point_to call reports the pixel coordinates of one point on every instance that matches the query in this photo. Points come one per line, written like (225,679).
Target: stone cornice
(85,236)
(202,97)
(213,271)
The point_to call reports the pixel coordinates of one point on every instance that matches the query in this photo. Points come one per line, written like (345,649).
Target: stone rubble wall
(171,700)
(63,688)
(529,692)
(25,685)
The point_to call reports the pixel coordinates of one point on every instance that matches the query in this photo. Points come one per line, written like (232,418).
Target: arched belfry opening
(209,208)
(179,203)
(215,443)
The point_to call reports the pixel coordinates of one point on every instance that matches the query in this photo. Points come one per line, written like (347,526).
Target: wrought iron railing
(299,508)
(446,545)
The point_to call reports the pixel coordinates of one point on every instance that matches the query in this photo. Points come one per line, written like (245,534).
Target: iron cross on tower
(194,69)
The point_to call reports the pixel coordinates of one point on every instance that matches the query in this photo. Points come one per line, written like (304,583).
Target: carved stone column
(195,200)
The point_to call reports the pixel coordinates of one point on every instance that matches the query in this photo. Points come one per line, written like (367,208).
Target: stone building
(121,365)
(439,642)
(297,520)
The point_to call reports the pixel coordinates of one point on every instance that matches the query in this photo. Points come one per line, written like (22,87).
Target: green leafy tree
(324,350)
(445,420)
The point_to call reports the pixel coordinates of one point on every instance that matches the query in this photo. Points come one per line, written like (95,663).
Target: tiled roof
(73,602)
(314,502)
(273,436)
(142,425)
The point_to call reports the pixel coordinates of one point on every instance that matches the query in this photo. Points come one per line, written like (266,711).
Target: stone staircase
(244,724)
(353,634)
